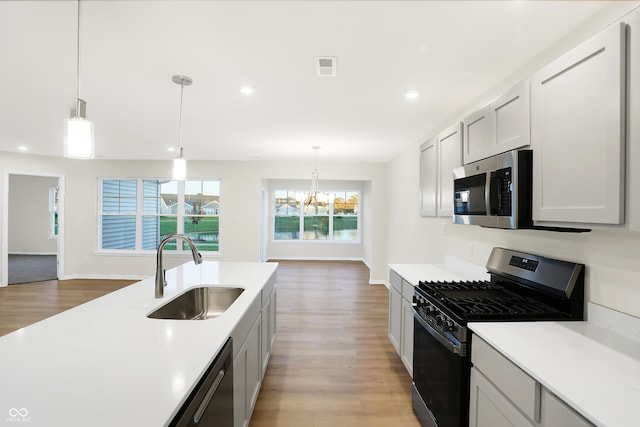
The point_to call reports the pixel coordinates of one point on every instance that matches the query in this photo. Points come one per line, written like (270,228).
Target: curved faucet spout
(160,281)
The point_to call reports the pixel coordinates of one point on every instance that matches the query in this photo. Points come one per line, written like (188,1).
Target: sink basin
(201,303)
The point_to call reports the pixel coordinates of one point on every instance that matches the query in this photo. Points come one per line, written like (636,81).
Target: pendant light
(314,196)
(78,131)
(179,163)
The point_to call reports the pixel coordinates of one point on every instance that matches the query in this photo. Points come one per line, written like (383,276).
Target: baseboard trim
(32,253)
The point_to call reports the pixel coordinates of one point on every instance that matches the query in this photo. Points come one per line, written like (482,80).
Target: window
(335,217)
(136,214)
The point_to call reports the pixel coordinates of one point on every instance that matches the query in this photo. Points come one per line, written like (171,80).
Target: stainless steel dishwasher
(211,402)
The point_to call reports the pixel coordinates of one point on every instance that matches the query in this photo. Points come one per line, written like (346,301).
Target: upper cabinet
(501,126)
(449,158)
(578,133)
(428,178)
(438,157)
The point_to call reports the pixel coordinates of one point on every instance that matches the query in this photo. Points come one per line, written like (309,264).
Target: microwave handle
(488,193)
(494,194)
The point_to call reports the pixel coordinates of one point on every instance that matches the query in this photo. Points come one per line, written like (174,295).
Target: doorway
(32,212)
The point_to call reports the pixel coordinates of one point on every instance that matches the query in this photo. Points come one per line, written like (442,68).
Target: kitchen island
(104,363)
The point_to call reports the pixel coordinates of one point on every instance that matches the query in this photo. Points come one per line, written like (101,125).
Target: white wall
(611,257)
(29,215)
(242,183)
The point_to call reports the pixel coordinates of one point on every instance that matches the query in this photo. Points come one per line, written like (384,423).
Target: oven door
(440,378)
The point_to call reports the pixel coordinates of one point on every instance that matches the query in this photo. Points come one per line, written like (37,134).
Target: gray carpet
(31,268)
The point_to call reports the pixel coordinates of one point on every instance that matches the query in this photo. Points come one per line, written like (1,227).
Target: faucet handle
(164,277)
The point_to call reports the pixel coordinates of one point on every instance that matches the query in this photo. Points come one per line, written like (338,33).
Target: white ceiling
(451,51)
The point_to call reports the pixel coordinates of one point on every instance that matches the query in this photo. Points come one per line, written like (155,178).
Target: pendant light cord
(78,60)
(180,121)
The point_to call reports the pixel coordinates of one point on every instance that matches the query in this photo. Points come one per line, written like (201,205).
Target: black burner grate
(478,300)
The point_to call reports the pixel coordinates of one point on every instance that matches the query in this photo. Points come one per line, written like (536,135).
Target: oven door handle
(452,347)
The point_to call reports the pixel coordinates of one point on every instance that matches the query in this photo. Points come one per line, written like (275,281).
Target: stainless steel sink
(201,303)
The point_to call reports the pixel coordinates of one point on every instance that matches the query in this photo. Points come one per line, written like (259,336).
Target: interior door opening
(33,232)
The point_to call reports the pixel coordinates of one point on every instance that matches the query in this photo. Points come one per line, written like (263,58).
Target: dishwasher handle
(207,398)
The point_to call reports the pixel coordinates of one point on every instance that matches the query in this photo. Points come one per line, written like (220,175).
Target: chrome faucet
(160,280)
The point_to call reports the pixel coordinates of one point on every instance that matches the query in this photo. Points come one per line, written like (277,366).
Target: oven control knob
(439,320)
(448,325)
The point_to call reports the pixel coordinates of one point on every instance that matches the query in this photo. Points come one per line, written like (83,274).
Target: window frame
(54,194)
(180,216)
(330,214)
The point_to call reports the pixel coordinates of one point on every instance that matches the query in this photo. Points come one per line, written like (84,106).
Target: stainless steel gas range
(522,287)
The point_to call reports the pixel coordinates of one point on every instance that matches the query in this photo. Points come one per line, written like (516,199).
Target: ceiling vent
(326,66)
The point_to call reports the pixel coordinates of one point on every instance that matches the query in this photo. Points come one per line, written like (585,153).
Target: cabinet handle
(207,398)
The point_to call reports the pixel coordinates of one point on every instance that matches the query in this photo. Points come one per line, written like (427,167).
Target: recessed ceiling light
(247,90)
(22,148)
(171,149)
(411,94)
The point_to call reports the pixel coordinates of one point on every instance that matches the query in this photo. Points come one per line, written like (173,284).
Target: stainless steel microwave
(494,192)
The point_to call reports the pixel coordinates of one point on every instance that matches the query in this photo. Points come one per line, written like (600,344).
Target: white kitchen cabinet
(578,133)
(395,318)
(511,119)
(268,327)
(554,412)
(501,126)
(502,394)
(449,157)
(247,363)
(428,178)
(488,407)
(401,318)
(477,136)
(633,124)
(406,345)
(253,339)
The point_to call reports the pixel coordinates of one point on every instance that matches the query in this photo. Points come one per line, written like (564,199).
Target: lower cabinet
(406,345)
(247,368)
(401,318)
(503,395)
(254,336)
(395,318)
(489,407)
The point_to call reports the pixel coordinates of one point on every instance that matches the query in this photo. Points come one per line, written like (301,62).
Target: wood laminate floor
(332,362)
(27,303)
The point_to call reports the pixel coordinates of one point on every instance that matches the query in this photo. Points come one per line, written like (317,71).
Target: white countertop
(453,270)
(104,363)
(591,368)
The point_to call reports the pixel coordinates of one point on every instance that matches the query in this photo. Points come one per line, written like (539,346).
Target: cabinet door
(428,178)
(577,133)
(478,137)
(395,318)
(406,345)
(240,414)
(265,346)
(247,377)
(488,407)
(449,158)
(510,112)
(554,412)
(254,365)
(633,112)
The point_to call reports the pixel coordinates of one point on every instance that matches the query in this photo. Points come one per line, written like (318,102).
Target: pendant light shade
(179,163)
(78,138)
(179,168)
(78,142)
